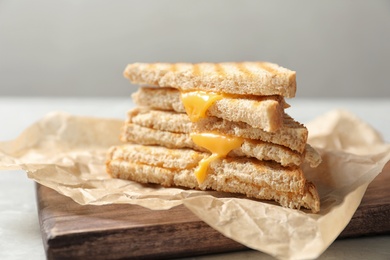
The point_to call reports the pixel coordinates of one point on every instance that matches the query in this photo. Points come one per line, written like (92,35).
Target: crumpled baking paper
(67,153)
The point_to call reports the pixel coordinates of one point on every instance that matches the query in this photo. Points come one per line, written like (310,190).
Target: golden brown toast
(292,135)
(133,133)
(257,179)
(262,112)
(242,78)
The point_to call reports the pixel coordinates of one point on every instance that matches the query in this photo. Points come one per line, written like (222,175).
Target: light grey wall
(339,48)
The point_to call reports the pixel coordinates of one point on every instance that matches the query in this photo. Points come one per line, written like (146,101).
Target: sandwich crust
(292,135)
(256,179)
(244,103)
(263,112)
(250,148)
(243,78)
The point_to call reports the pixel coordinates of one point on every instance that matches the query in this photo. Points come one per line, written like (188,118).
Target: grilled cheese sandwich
(227,120)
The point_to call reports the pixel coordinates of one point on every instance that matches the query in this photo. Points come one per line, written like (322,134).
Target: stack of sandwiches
(216,126)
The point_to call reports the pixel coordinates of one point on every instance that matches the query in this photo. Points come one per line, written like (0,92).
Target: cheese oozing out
(219,146)
(196,103)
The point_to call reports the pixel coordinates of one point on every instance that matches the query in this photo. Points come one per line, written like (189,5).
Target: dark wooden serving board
(72,231)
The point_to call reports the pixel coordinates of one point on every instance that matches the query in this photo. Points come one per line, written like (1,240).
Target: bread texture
(263,112)
(167,98)
(292,135)
(257,179)
(237,111)
(242,78)
(250,148)
(157,156)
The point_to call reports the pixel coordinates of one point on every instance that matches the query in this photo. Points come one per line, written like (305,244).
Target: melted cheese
(219,146)
(196,103)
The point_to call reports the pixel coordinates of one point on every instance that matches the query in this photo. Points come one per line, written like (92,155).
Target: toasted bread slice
(166,98)
(159,98)
(292,135)
(263,112)
(157,156)
(250,148)
(260,180)
(245,78)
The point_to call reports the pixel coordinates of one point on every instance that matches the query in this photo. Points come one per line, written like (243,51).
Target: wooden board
(71,231)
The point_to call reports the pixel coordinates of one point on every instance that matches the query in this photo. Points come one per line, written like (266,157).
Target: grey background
(80,48)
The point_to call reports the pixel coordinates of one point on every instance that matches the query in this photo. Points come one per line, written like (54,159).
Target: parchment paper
(67,153)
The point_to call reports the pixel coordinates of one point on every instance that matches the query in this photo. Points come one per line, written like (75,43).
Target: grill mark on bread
(152,66)
(220,70)
(266,67)
(266,78)
(244,70)
(196,69)
(173,67)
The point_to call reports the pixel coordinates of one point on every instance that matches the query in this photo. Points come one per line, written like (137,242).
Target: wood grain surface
(72,231)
